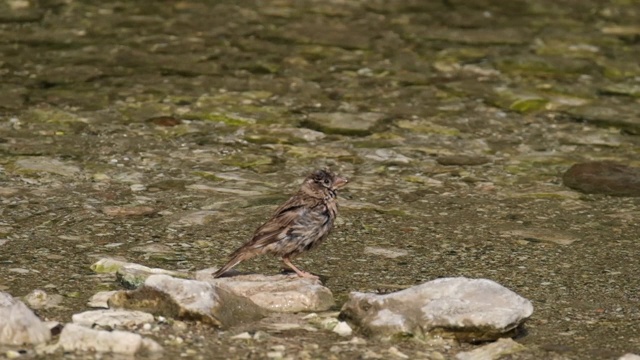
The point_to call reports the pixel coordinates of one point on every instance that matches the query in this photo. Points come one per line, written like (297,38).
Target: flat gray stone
(47,165)
(279,293)
(359,124)
(112,318)
(469,309)
(79,338)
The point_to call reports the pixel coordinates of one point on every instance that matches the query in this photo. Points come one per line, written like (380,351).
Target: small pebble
(12,354)
(342,329)
(242,336)
(260,335)
(395,352)
(137,187)
(274,354)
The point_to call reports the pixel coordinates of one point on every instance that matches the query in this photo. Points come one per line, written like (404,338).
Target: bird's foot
(301,273)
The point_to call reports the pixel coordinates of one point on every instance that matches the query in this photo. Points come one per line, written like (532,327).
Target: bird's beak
(339,182)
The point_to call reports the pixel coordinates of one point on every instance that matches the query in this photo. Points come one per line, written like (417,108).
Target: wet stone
(188,300)
(123,211)
(110,319)
(467,309)
(76,338)
(19,324)
(603,177)
(361,124)
(198,218)
(625,117)
(461,160)
(385,252)
(543,235)
(622,89)
(279,293)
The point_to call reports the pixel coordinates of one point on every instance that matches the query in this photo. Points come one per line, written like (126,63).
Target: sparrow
(297,226)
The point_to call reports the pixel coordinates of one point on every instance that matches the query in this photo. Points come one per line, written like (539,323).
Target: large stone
(79,338)
(603,177)
(280,293)
(19,325)
(188,300)
(361,124)
(467,309)
(112,318)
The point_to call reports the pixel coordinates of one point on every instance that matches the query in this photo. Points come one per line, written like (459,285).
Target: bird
(297,226)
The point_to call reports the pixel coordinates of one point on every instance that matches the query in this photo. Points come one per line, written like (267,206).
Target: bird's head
(324,180)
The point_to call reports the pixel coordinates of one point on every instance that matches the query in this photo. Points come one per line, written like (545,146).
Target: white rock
(131,275)
(388,155)
(101,299)
(279,293)
(39,299)
(343,329)
(397,353)
(112,318)
(496,350)
(474,309)
(80,338)
(19,325)
(629,356)
(198,218)
(388,253)
(137,187)
(12,354)
(242,336)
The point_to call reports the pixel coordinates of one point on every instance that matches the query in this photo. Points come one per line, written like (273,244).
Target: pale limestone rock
(19,325)
(79,338)
(279,293)
(469,309)
(112,318)
(39,299)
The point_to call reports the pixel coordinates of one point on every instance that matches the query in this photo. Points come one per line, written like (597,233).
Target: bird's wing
(278,227)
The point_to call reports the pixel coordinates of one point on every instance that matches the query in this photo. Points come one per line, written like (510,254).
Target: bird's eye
(326,181)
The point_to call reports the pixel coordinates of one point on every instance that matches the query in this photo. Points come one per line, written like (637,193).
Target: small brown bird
(298,225)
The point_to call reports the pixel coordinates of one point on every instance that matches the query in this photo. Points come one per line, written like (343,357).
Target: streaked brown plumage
(298,225)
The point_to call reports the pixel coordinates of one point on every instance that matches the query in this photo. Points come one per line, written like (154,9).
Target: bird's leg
(300,273)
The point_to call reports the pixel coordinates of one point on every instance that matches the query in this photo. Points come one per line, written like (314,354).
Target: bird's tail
(235,260)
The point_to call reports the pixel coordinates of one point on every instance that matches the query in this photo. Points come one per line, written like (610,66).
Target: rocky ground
(163,133)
